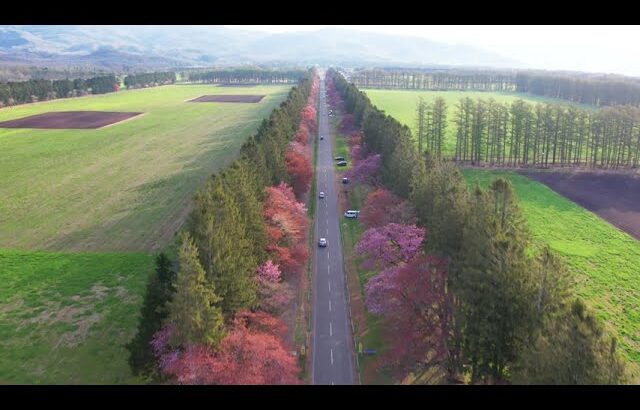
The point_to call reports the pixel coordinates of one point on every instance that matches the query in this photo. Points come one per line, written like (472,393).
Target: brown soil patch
(229,98)
(69,120)
(614,197)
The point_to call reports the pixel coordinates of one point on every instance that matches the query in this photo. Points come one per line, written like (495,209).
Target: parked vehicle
(342,163)
(351,214)
(322,242)
(345,180)
(339,158)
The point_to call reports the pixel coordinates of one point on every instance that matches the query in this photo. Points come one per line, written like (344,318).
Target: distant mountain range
(157,47)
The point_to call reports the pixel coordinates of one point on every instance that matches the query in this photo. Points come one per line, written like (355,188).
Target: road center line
(332,357)
(329,286)
(330,330)
(329,305)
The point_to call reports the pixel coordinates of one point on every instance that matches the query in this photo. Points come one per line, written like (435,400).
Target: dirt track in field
(70,120)
(229,98)
(614,197)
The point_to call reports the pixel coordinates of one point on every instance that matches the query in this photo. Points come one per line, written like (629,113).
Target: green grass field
(401,104)
(123,187)
(66,318)
(605,260)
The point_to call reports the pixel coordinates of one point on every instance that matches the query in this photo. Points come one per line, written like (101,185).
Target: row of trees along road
(435,80)
(246,76)
(14,93)
(598,90)
(213,319)
(476,301)
(528,135)
(583,88)
(149,79)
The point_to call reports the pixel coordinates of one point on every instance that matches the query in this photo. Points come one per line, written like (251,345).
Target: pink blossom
(365,170)
(390,245)
(269,271)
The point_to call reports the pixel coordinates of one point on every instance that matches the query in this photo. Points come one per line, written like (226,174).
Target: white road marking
(329,286)
(327,231)
(329,305)
(332,357)
(332,383)
(330,329)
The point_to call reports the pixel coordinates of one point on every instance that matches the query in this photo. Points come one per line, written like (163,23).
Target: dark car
(339,158)
(345,180)
(342,163)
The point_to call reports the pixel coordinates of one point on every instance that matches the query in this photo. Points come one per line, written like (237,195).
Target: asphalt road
(333,354)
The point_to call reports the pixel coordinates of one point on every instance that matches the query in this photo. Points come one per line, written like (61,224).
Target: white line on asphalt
(329,305)
(329,286)
(332,384)
(330,329)
(328,253)
(332,356)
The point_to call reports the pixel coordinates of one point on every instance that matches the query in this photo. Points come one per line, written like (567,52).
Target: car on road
(342,163)
(339,158)
(322,242)
(321,137)
(351,214)
(321,194)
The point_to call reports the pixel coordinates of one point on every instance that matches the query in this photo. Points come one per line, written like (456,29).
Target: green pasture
(126,186)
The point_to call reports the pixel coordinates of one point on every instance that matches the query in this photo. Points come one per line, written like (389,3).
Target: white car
(351,214)
(321,194)
(322,242)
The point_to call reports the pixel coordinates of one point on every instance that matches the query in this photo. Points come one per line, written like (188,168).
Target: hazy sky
(606,49)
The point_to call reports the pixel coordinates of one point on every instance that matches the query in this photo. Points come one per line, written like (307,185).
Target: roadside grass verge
(303,318)
(368,327)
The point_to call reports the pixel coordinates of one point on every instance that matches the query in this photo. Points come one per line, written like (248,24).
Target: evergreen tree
(440,197)
(572,349)
(241,181)
(195,310)
(159,292)
(401,164)
(494,283)
(225,250)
